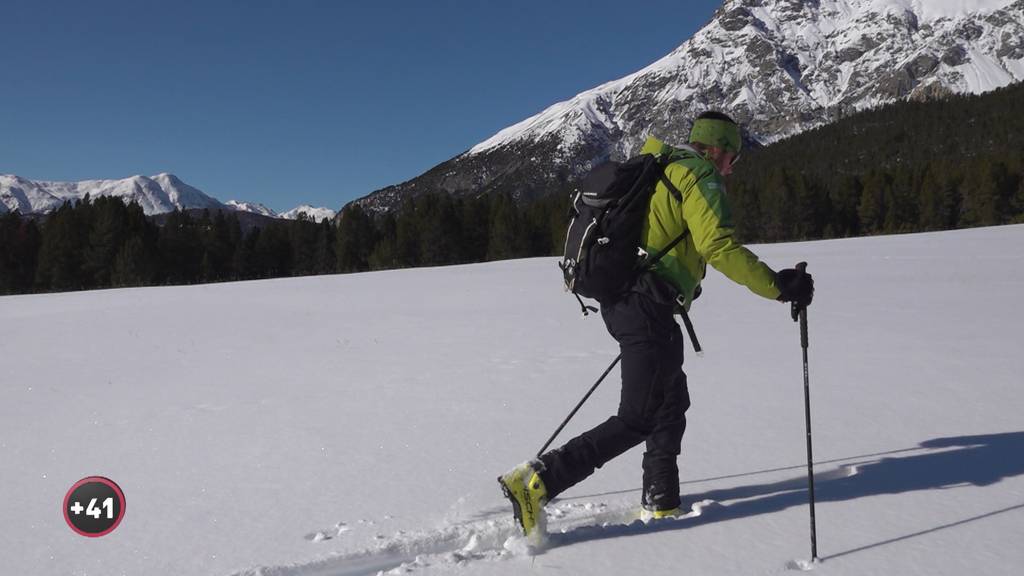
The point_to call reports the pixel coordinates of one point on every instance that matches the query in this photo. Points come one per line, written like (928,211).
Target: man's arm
(710,221)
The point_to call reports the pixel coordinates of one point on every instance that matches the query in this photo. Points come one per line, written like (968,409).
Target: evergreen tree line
(907,167)
(911,166)
(103,242)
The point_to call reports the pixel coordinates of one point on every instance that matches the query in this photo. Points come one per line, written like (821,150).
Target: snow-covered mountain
(311,212)
(156,194)
(778,66)
(251,207)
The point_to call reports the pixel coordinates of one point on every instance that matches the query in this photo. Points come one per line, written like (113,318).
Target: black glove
(795,285)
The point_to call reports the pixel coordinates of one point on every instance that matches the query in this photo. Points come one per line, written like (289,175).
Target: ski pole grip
(803,328)
(795,308)
(801,311)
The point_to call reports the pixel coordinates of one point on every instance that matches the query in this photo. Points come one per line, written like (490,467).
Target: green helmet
(717,132)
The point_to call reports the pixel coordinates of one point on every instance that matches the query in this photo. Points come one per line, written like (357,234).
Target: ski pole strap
(583,306)
(690,332)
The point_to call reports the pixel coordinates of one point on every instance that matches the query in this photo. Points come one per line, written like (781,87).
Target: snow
(315,214)
(812,33)
(1016,67)
(934,9)
(350,424)
(254,207)
(985,73)
(928,10)
(157,194)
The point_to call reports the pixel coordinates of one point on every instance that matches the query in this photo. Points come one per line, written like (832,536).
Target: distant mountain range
(156,194)
(778,66)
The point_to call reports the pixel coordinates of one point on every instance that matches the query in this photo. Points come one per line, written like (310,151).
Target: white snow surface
(934,9)
(356,423)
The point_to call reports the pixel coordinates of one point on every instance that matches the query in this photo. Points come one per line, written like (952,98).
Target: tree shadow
(980,460)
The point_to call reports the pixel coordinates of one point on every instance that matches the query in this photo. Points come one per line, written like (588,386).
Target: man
(654,396)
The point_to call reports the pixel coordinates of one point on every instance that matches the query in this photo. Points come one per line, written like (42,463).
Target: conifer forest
(912,166)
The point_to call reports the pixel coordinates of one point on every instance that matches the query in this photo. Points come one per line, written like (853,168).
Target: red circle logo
(94,506)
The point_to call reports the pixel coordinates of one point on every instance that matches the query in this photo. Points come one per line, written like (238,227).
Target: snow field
(355,424)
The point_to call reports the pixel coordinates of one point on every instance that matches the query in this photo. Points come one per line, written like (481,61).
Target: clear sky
(289,102)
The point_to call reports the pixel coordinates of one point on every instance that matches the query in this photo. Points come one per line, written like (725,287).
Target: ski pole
(576,409)
(800,313)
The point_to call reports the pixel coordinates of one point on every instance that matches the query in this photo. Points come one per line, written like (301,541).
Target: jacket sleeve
(709,219)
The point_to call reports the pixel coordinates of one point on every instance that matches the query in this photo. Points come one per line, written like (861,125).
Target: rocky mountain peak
(778,66)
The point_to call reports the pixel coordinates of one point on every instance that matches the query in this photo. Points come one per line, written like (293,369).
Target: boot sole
(516,510)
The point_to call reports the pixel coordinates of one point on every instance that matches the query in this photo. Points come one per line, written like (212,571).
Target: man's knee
(635,421)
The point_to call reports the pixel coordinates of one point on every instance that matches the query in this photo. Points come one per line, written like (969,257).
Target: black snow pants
(652,407)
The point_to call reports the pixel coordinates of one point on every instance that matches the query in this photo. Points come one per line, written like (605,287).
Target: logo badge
(94,506)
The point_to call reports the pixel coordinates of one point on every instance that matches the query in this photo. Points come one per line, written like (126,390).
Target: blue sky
(289,102)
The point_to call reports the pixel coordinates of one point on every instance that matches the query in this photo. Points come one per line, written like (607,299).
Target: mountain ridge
(157,194)
(778,66)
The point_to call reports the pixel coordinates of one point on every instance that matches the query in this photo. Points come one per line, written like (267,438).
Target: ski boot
(648,514)
(525,489)
(656,504)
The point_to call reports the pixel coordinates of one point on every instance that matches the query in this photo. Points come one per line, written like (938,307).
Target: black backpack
(603,257)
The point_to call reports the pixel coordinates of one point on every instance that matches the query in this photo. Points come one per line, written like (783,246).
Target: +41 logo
(94,506)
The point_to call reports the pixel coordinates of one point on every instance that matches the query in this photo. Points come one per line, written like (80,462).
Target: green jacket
(704,213)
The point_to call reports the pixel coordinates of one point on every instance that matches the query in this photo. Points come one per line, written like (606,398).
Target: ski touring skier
(654,396)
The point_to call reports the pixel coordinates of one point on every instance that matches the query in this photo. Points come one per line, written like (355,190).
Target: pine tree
(302,238)
(930,195)
(777,200)
(506,229)
(324,259)
(60,252)
(19,250)
(385,252)
(845,198)
(244,260)
(106,236)
(181,249)
(1018,201)
(475,219)
(132,265)
(871,210)
(440,231)
(354,239)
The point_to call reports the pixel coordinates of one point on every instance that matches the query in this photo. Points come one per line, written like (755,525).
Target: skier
(654,396)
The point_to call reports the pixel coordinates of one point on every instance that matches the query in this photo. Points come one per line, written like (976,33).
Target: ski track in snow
(491,535)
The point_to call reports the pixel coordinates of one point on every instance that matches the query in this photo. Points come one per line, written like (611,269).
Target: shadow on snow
(980,460)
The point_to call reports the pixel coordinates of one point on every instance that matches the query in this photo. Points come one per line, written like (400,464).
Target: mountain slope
(777,66)
(313,213)
(157,194)
(251,207)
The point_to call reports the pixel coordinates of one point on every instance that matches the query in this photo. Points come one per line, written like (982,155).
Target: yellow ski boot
(648,515)
(524,488)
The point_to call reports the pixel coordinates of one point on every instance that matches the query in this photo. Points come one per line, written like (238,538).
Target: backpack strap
(651,259)
(649,262)
(666,160)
